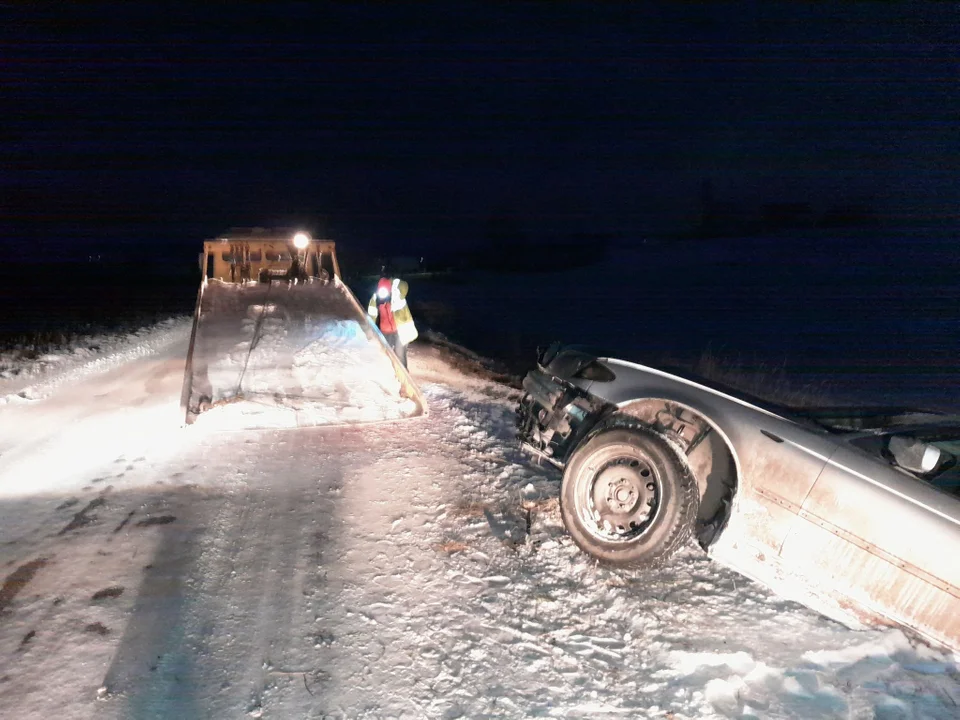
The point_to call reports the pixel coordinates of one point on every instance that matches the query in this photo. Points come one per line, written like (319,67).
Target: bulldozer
(279,340)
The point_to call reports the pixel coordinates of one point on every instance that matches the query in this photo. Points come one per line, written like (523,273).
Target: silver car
(854,512)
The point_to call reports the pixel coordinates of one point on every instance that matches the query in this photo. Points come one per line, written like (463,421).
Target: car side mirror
(916,456)
(545,355)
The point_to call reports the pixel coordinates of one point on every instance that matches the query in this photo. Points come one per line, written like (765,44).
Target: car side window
(873,444)
(931,456)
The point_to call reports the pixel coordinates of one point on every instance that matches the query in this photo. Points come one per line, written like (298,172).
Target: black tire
(627,498)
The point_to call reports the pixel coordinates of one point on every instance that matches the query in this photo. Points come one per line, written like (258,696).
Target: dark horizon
(412,128)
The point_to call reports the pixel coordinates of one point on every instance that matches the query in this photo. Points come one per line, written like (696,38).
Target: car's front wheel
(627,498)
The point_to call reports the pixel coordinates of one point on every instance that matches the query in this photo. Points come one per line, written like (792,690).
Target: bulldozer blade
(290,354)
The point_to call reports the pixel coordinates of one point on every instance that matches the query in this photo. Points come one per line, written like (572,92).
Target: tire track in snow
(154,651)
(231,602)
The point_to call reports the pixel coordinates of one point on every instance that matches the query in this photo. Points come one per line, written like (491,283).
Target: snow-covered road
(412,569)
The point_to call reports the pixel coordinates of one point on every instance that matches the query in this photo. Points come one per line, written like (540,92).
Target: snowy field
(411,569)
(860,316)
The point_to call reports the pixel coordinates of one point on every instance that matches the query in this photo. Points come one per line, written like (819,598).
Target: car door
(881,543)
(781,461)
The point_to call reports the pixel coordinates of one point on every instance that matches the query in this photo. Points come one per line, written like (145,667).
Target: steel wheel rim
(618,498)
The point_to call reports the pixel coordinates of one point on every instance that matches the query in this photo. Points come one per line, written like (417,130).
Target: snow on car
(836,509)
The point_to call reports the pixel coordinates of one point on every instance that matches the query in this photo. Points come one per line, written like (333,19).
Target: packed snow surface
(409,569)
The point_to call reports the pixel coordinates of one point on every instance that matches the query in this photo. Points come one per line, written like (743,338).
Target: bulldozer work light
(301,240)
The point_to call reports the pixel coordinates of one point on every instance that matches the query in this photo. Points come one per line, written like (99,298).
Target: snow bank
(884,676)
(26,376)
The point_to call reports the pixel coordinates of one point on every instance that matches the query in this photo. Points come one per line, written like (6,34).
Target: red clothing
(385,319)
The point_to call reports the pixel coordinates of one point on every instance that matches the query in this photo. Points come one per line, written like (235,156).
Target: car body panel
(878,537)
(814,515)
(766,446)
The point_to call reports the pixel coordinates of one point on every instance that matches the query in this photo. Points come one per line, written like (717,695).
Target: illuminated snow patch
(282,357)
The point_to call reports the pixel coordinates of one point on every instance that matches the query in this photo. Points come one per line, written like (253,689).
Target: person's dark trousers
(399,348)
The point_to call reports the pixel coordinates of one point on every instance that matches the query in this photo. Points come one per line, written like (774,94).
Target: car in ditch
(854,512)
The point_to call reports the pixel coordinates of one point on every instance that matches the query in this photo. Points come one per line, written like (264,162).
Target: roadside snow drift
(289,355)
(27,375)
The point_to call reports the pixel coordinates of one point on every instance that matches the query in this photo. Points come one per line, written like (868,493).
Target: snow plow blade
(279,341)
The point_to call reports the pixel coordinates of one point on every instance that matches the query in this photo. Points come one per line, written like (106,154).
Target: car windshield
(849,419)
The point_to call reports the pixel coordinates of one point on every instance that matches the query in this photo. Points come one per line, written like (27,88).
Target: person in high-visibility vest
(388,308)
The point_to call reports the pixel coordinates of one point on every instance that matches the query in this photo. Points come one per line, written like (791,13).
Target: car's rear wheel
(627,498)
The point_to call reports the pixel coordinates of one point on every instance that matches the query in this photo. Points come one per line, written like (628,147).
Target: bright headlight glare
(382,293)
(301,240)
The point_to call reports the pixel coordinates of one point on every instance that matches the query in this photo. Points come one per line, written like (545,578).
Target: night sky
(415,127)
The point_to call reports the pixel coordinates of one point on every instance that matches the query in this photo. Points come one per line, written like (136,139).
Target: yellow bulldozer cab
(279,340)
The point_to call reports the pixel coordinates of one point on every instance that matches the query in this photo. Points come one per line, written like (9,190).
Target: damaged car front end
(557,410)
(809,502)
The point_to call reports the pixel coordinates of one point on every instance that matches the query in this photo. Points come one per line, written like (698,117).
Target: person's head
(384,288)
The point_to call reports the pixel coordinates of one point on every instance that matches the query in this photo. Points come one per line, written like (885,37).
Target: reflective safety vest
(402,319)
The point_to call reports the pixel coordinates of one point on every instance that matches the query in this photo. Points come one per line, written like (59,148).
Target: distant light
(301,240)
